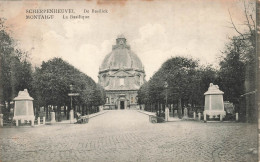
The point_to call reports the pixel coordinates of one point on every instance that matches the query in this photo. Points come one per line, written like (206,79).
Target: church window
(104,80)
(132,99)
(138,79)
(112,100)
(122,81)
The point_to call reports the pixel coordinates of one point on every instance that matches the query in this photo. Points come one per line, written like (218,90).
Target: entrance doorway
(122,104)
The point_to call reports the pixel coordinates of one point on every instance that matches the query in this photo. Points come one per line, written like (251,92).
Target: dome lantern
(121,40)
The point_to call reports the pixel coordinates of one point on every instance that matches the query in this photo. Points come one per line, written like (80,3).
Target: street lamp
(166,104)
(71,89)
(166,95)
(72,94)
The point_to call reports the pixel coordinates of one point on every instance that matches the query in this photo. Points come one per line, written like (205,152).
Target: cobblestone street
(127,135)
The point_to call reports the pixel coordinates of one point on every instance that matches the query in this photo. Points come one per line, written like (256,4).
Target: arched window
(112,100)
(141,80)
(122,81)
(107,100)
(103,79)
(137,78)
(132,99)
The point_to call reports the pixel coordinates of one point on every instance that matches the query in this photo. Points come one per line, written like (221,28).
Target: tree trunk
(46,108)
(59,113)
(65,110)
(82,109)
(158,108)
(68,112)
(74,110)
(179,108)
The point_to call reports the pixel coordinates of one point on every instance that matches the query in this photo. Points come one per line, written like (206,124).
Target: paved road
(127,135)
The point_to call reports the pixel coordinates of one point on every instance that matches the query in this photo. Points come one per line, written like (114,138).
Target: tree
(239,65)
(186,83)
(204,75)
(52,82)
(6,52)
(232,75)
(15,69)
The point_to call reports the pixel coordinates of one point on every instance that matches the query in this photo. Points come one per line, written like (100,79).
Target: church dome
(121,57)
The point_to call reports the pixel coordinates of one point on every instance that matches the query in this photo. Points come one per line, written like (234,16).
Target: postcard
(126,80)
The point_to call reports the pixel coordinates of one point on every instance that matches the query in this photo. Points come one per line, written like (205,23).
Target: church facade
(121,74)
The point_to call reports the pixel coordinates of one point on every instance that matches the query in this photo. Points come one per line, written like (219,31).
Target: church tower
(121,74)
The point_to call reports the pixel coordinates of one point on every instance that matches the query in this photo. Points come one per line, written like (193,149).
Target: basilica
(121,74)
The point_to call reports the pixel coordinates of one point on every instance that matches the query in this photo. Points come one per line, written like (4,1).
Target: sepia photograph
(129,81)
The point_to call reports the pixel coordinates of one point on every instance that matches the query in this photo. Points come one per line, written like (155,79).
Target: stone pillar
(53,117)
(32,122)
(1,120)
(194,115)
(236,116)
(205,116)
(71,117)
(221,117)
(43,120)
(185,113)
(100,108)
(179,108)
(16,122)
(175,113)
(166,114)
(39,121)
(199,114)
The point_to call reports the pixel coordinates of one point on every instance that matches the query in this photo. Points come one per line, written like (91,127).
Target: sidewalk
(146,112)
(68,121)
(97,114)
(171,119)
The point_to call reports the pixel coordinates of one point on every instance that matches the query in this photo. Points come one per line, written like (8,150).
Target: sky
(155,30)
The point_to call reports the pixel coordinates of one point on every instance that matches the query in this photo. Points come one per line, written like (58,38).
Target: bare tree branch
(253,21)
(248,23)
(234,25)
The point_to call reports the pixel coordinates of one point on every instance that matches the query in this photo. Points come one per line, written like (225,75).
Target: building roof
(122,88)
(121,57)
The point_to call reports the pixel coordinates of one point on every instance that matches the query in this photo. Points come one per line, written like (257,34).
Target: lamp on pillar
(71,89)
(72,94)
(166,102)
(166,95)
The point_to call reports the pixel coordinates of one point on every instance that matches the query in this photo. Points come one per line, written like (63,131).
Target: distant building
(121,74)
